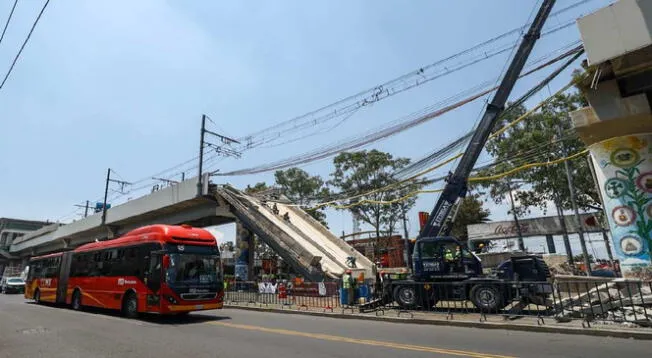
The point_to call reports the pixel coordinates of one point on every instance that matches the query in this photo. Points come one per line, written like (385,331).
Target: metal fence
(617,301)
(312,295)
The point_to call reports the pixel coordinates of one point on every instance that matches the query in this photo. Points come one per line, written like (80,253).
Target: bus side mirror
(166,261)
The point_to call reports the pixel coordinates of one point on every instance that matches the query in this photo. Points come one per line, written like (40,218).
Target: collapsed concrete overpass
(301,241)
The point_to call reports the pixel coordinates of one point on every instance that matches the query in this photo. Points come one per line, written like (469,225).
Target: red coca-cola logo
(507,230)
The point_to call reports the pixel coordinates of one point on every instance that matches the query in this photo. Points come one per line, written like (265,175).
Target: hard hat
(348,270)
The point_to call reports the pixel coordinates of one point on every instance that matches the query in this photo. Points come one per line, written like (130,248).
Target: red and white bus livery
(159,268)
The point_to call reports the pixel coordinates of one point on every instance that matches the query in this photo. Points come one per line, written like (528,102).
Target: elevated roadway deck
(302,241)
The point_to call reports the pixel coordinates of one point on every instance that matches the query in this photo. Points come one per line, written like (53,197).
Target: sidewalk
(471,320)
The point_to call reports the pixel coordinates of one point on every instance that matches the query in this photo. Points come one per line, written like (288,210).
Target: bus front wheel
(130,305)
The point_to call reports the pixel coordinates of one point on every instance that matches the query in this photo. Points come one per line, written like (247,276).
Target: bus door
(64,273)
(154,271)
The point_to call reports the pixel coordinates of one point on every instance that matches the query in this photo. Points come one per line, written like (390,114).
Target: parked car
(12,285)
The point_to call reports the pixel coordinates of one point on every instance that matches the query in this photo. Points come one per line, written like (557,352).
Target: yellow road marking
(327,337)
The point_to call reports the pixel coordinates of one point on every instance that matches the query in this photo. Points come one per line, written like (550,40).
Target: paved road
(30,330)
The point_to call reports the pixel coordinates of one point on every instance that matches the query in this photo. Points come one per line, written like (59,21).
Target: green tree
(365,171)
(258,187)
(537,139)
(471,211)
(302,188)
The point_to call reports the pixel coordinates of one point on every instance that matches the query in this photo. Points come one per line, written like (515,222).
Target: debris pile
(619,301)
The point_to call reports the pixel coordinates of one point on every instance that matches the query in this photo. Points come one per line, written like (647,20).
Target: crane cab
(442,258)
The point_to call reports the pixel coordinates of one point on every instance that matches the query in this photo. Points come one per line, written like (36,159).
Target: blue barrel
(344,297)
(363,291)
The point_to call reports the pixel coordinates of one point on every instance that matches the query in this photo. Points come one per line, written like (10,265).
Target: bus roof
(182,234)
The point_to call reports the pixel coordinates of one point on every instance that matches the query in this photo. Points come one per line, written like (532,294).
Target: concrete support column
(245,249)
(624,172)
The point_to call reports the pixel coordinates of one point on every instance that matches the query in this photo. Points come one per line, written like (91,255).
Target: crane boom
(456,183)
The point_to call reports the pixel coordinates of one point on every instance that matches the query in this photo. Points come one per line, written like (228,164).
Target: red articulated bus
(159,268)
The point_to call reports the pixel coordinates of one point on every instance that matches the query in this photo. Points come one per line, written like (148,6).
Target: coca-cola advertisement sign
(512,229)
(549,225)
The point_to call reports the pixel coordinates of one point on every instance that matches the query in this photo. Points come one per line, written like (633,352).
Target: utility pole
(521,244)
(106,194)
(580,228)
(221,150)
(106,191)
(201,153)
(406,247)
(85,207)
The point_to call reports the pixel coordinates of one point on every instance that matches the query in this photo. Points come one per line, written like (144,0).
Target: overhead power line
(22,47)
(336,107)
(467,51)
(386,131)
(11,13)
(524,116)
(395,86)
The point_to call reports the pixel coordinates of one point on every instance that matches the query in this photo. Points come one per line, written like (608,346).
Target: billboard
(548,225)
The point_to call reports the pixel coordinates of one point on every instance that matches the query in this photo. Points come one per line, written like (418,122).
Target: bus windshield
(190,265)
(193,269)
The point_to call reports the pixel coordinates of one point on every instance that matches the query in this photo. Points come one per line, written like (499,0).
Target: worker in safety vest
(448,255)
(347,285)
(449,259)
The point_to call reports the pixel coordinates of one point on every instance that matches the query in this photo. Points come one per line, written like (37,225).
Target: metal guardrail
(308,296)
(589,301)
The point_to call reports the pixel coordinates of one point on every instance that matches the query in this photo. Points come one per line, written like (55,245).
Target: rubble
(620,301)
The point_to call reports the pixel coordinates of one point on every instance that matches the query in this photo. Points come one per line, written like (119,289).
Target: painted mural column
(617,126)
(624,171)
(245,253)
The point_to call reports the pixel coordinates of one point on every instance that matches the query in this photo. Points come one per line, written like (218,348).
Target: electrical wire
(373,94)
(471,179)
(388,130)
(11,14)
(22,47)
(345,113)
(539,86)
(555,29)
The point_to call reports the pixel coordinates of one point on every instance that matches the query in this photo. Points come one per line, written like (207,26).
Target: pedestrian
(347,285)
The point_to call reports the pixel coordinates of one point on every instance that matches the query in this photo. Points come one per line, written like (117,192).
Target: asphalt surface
(30,330)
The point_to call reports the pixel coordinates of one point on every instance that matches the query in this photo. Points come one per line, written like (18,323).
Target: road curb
(466,324)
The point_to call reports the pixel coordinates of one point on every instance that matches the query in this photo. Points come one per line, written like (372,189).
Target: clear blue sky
(123,84)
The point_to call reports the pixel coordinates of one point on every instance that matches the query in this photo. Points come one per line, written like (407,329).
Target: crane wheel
(487,297)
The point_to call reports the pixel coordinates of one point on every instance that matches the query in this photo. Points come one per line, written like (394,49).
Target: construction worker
(458,259)
(347,286)
(448,255)
(449,259)
(458,252)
